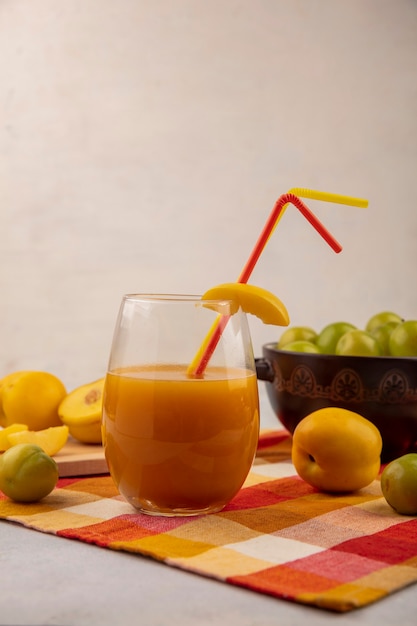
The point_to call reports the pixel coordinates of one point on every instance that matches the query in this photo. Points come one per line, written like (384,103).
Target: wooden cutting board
(81,459)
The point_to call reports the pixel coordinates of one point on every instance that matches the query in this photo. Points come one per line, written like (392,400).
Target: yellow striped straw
(200,360)
(323,196)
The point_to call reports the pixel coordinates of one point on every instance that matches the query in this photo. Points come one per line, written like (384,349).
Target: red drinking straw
(287,198)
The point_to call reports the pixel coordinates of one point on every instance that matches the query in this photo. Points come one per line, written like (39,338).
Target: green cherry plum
(382,334)
(296,333)
(330,335)
(399,484)
(403,339)
(27,473)
(379,319)
(358,343)
(301,346)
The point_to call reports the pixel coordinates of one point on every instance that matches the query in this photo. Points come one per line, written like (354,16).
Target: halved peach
(81,411)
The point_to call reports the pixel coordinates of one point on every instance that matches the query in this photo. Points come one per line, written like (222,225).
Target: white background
(144,144)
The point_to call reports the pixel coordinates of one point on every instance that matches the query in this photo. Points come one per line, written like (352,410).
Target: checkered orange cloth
(278,536)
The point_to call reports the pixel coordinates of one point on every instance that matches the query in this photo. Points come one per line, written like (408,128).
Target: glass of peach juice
(177,443)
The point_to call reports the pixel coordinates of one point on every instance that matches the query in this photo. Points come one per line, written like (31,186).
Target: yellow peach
(33,399)
(9,378)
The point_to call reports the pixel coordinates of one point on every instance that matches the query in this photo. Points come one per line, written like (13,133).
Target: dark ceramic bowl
(381,389)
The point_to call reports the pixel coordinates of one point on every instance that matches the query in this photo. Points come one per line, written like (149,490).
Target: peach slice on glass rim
(252,299)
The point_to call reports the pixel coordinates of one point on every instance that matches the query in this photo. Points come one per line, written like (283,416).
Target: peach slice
(5,432)
(51,440)
(252,299)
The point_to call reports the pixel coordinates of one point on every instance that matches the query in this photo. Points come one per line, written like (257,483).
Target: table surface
(48,580)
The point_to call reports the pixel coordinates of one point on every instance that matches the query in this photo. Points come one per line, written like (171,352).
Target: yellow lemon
(27,473)
(253,300)
(9,378)
(5,432)
(336,450)
(33,399)
(81,411)
(51,439)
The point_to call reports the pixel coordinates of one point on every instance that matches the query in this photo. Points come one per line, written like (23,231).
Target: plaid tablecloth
(278,536)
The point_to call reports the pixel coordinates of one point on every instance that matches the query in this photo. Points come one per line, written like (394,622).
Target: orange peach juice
(175,443)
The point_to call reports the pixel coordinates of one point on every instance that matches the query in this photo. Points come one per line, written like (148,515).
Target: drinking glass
(176,443)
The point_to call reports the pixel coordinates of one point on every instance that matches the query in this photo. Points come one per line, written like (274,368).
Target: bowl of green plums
(370,370)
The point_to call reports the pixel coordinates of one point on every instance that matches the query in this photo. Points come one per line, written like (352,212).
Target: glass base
(149,508)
